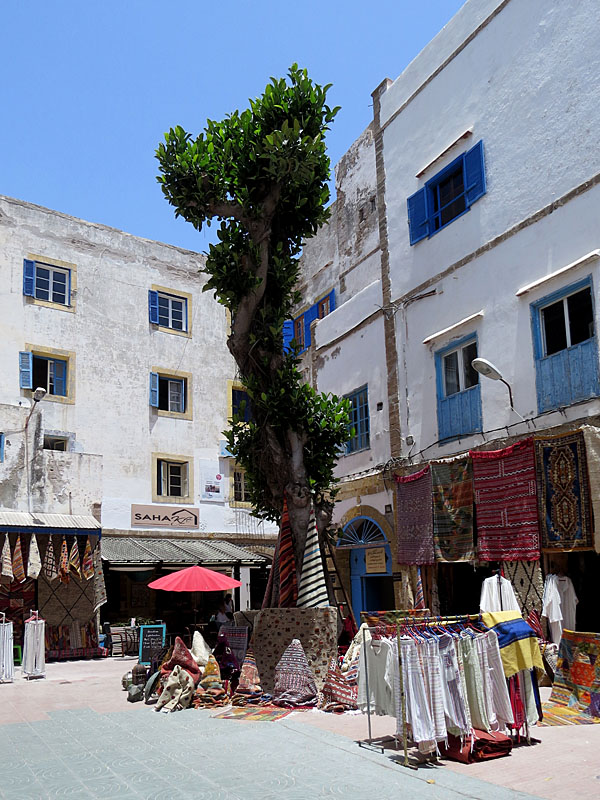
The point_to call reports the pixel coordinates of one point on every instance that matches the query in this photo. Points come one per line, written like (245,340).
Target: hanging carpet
(49,569)
(453,510)
(87,566)
(505,500)
(7,569)
(577,676)
(17,563)
(63,563)
(591,437)
(415,518)
(528,583)
(282,586)
(312,589)
(34,562)
(519,648)
(563,492)
(74,560)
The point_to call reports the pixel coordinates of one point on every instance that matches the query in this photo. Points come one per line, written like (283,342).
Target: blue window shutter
(153,306)
(183,388)
(154,389)
(28,277)
(332,300)
(1,447)
(309,316)
(288,334)
(474,173)
(25,370)
(60,378)
(418,220)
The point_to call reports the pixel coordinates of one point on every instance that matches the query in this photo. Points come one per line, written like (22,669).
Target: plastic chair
(17,654)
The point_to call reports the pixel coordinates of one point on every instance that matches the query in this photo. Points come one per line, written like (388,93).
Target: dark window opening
(448,198)
(568,322)
(50,374)
(171,394)
(56,443)
(240,405)
(458,372)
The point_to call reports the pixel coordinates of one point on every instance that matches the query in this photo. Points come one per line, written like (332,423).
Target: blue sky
(89,88)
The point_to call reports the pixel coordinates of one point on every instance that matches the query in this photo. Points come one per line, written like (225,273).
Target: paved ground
(73,734)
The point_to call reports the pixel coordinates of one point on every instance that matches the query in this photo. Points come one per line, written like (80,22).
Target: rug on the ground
(414,519)
(555,715)
(254,713)
(563,492)
(577,677)
(453,510)
(505,503)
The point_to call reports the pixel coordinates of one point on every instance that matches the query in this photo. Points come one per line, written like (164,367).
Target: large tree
(263,174)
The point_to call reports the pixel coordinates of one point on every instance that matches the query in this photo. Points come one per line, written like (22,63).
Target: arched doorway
(371,581)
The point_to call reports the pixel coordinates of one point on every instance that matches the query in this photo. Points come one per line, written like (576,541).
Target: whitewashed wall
(115,348)
(523,85)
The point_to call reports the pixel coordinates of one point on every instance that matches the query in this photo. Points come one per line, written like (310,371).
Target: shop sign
(161,517)
(375,559)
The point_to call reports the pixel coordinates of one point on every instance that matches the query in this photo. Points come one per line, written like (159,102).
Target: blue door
(371,591)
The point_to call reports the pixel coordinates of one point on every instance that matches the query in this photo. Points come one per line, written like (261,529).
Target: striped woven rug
(561,715)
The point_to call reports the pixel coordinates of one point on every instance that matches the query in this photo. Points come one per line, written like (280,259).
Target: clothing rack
(396,629)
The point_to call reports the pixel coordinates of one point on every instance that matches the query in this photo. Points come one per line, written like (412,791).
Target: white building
(485,166)
(138,379)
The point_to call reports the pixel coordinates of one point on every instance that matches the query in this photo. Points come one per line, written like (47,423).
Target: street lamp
(488,370)
(38,395)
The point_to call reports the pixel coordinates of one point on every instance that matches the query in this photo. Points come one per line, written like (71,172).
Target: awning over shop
(34,522)
(123,551)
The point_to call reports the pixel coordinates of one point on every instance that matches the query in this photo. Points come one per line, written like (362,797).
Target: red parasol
(194,579)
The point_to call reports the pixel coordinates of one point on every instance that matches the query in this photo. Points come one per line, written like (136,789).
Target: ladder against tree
(334,582)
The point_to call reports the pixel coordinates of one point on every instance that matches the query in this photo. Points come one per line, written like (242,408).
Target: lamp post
(488,370)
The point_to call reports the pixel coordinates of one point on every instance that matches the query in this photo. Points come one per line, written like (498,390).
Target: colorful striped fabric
(7,569)
(17,564)
(577,678)
(34,562)
(63,564)
(294,680)
(518,643)
(419,596)
(452,483)
(87,566)
(74,560)
(50,570)
(312,590)
(506,503)
(288,582)
(415,518)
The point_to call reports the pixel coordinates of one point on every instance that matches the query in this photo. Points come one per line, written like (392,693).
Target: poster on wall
(375,560)
(212,483)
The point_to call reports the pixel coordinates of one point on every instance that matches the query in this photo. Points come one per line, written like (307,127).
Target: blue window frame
(47,282)
(299,328)
(167,393)
(358,427)
(458,389)
(168,311)
(240,405)
(565,346)
(447,195)
(40,371)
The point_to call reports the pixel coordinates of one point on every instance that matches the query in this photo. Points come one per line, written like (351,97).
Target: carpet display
(254,714)
(504,483)
(237,638)
(591,437)
(528,583)
(519,648)
(282,586)
(312,589)
(339,693)
(294,681)
(557,715)
(453,511)
(64,603)
(577,677)
(563,492)
(274,629)
(414,521)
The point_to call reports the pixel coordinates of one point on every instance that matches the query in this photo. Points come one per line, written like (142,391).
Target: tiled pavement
(138,753)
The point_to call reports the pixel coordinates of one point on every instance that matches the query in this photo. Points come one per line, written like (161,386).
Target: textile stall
(52,562)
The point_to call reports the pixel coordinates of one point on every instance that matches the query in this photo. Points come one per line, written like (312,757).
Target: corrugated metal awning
(30,522)
(125,550)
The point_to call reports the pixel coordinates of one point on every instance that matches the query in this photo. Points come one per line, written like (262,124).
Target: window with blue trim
(2,439)
(167,393)
(565,346)
(47,282)
(168,311)
(447,195)
(301,331)
(458,390)
(358,428)
(240,405)
(43,372)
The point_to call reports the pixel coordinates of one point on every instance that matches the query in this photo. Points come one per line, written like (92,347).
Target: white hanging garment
(7,662)
(34,648)
(559,605)
(497,594)
(376,657)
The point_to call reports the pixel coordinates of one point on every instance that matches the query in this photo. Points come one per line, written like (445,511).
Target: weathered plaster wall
(115,349)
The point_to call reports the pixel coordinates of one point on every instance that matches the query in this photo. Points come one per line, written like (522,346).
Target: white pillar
(244,589)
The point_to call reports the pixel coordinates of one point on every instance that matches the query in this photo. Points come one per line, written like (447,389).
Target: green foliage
(263,174)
